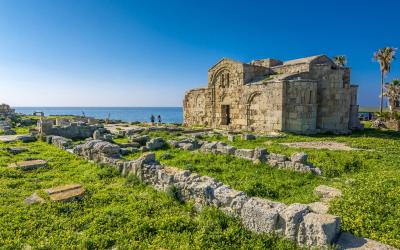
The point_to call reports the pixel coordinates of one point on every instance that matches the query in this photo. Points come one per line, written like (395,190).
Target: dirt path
(331,145)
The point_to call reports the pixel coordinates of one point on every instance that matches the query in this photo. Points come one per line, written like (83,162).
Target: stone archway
(253,110)
(220,80)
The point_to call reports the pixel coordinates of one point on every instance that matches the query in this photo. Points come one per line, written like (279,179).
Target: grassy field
(369,178)
(116,212)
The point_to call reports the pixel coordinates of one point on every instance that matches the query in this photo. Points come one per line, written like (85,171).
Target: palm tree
(385,58)
(392,92)
(340,60)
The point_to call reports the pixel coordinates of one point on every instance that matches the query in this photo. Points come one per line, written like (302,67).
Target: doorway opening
(225,115)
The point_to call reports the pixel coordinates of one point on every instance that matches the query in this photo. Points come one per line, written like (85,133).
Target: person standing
(159,119)
(152,118)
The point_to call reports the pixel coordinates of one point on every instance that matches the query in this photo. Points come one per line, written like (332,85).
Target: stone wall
(74,130)
(301,106)
(295,221)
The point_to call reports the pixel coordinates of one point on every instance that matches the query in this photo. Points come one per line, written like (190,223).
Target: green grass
(116,212)
(255,179)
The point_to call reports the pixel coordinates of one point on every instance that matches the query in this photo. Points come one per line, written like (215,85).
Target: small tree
(340,61)
(392,92)
(385,58)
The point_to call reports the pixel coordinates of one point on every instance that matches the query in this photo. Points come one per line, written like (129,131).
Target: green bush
(174,193)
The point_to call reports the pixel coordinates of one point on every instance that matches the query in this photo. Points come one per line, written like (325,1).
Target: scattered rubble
(34,199)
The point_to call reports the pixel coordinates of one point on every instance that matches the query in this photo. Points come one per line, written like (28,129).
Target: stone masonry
(307,95)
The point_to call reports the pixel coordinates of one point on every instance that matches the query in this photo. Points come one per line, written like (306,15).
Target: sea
(128,114)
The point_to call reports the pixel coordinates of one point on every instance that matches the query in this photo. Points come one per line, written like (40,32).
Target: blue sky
(148,53)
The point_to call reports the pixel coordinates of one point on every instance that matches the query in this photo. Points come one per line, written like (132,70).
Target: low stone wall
(297,162)
(75,130)
(297,222)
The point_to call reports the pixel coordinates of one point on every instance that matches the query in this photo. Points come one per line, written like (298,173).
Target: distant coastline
(128,114)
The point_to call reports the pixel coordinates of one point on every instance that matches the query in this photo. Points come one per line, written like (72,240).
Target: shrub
(190,167)
(174,193)
(260,190)
(132,180)
(166,156)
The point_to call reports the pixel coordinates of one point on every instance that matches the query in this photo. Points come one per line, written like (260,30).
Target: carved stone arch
(214,94)
(251,96)
(248,106)
(217,73)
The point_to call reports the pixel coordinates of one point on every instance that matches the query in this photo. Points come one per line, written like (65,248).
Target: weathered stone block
(245,153)
(156,143)
(327,193)
(290,219)
(261,215)
(318,229)
(299,157)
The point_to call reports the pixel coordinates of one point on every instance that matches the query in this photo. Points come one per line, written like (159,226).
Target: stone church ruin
(307,95)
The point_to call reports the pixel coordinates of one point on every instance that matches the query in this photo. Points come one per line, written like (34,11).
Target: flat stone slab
(16,150)
(29,165)
(8,138)
(68,192)
(14,138)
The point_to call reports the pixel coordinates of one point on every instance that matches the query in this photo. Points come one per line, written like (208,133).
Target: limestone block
(290,219)
(299,157)
(245,153)
(318,229)
(156,143)
(61,142)
(318,207)
(229,200)
(277,157)
(261,215)
(327,193)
